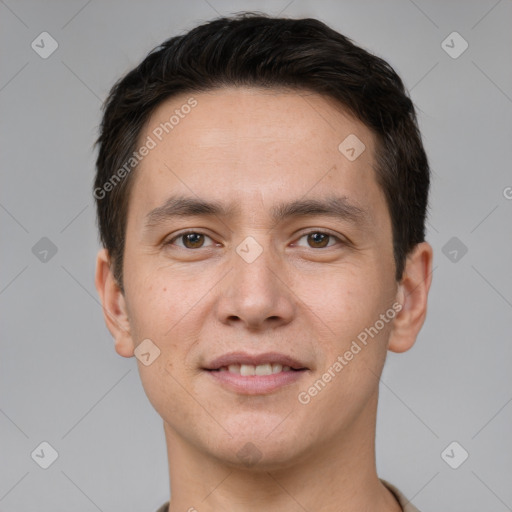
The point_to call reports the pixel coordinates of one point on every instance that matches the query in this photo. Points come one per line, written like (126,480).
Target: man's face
(297,285)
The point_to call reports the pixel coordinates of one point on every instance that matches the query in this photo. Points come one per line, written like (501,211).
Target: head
(293,160)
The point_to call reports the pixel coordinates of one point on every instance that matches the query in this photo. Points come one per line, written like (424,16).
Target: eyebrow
(332,206)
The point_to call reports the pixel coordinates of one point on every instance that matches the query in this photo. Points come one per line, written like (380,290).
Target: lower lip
(256,384)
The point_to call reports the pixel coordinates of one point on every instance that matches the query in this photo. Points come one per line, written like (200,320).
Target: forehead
(271,115)
(242,143)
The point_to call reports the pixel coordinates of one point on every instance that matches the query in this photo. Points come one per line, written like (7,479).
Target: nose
(256,293)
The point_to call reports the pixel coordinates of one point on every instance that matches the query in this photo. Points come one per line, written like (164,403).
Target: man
(261,190)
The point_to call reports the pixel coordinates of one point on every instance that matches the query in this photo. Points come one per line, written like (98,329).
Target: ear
(114,305)
(412,294)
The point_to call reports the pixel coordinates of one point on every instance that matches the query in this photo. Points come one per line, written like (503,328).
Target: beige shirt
(406,505)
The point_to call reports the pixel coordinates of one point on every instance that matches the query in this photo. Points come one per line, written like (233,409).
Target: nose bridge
(256,291)
(253,268)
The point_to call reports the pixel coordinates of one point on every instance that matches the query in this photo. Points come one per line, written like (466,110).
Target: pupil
(194,239)
(319,238)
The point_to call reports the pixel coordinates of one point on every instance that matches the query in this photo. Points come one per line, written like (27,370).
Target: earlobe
(412,294)
(114,305)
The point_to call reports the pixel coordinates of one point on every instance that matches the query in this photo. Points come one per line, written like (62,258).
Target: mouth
(255,374)
(246,370)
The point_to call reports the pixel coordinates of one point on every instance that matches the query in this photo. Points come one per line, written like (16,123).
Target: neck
(331,477)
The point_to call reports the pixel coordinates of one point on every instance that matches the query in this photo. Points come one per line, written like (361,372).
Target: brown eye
(193,240)
(317,240)
(190,240)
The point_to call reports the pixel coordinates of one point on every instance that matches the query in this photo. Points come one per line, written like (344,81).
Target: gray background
(60,378)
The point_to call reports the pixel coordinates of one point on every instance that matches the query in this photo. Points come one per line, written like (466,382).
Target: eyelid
(323,231)
(310,231)
(178,235)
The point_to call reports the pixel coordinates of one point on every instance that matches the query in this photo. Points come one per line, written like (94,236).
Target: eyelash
(180,235)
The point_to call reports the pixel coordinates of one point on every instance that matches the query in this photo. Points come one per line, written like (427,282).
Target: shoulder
(406,505)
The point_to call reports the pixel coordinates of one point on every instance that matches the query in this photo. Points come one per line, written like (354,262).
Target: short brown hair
(251,49)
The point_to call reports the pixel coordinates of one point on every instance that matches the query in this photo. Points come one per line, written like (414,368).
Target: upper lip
(254,359)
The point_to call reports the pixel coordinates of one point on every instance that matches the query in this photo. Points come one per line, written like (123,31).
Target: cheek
(345,301)
(167,307)
(352,338)
(167,318)
(165,388)
(157,301)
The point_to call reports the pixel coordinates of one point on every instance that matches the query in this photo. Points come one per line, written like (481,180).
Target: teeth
(262,369)
(247,369)
(276,368)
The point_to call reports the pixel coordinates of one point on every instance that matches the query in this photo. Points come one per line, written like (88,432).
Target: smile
(246,370)
(246,374)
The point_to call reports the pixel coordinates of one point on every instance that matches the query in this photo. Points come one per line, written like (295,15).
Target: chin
(257,449)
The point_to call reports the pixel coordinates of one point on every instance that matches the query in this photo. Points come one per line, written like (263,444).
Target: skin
(257,149)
